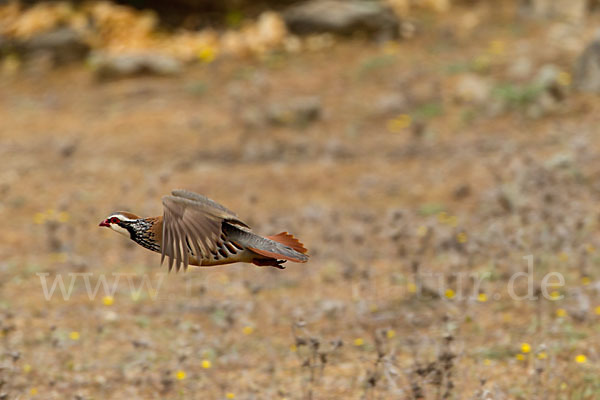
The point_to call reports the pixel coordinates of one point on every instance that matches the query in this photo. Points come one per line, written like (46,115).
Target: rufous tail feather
(289,240)
(293,250)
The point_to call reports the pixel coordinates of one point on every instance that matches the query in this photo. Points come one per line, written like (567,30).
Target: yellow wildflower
(562,256)
(108,300)
(33,391)
(63,217)
(180,375)
(391,47)
(497,47)
(449,293)
(27,368)
(586,280)
(520,357)
(487,362)
(597,310)
(482,62)
(206,364)
(542,356)
(59,257)
(422,231)
(561,312)
(230,395)
(555,295)
(482,297)
(10,64)
(590,248)
(580,359)
(525,348)
(461,237)
(293,348)
(207,54)
(247,330)
(359,342)
(74,335)
(442,217)
(412,288)
(564,78)
(390,333)
(39,218)
(563,386)
(399,123)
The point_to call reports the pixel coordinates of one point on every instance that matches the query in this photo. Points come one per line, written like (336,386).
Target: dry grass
(400,225)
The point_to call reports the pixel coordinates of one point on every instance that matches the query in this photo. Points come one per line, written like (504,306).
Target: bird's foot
(279,264)
(269,262)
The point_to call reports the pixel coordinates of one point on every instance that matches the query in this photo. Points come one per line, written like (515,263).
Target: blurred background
(420,149)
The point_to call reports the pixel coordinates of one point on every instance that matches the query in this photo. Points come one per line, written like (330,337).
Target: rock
(390,104)
(472,89)
(332,308)
(269,32)
(299,112)
(252,118)
(336,149)
(66,148)
(521,68)
(561,160)
(564,39)
(548,75)
(63,45)
(552,91)
(571,10)
(587,69)
(134,64)
(47,49)
(554,81)
(342,17)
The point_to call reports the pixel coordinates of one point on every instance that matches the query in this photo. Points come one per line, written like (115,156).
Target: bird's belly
(242,256)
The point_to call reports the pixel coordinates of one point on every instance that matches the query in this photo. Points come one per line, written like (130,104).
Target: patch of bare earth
(401,216)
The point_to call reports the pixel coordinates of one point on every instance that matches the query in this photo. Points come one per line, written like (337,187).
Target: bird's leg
(269,262)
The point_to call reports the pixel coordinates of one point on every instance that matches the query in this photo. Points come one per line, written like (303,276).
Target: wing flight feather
(194,221)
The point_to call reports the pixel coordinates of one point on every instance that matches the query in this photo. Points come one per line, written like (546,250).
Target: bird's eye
(114,220)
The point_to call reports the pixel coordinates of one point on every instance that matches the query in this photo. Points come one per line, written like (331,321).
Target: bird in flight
(195,230)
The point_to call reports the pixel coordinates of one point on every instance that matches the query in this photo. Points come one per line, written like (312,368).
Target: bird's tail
(282,246)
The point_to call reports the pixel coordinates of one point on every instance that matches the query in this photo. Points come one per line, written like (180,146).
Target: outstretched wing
(192,222)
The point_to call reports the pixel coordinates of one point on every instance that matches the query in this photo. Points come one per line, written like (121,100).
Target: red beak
(104,223)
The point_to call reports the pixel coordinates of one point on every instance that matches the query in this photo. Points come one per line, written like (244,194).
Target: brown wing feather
(191,221)
(208,203)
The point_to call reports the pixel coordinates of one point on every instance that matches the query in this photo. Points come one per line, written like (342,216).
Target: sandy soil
(398,209)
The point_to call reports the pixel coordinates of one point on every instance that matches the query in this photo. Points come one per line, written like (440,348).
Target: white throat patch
(120,230)
(116,227)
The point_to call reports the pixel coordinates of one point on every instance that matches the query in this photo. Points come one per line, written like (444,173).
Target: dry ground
(395,210)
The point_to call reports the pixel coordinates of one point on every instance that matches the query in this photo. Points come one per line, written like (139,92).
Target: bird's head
(121,222)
